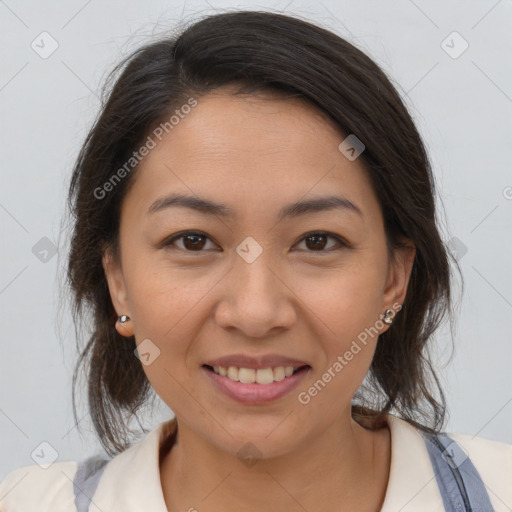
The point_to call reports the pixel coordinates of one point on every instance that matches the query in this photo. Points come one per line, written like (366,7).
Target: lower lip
(252,394)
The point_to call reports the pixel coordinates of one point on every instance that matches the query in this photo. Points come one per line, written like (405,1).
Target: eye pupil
(194,245)
(317,241)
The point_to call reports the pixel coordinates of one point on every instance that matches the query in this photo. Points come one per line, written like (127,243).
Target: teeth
(280,372)
(264,376)
(246,375)
(232,373)
(251,375)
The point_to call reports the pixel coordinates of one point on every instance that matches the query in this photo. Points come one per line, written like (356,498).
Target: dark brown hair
(260,51)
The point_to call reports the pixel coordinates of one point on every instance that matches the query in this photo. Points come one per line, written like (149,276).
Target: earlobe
(124,326)
(118,295)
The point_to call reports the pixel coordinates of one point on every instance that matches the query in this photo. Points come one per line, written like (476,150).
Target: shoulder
(412,482)
(491,457)
(34,488)
(493,461)
(128,481)
(484,450)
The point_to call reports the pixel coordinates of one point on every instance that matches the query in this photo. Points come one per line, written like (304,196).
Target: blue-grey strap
(86,480)
(460,484)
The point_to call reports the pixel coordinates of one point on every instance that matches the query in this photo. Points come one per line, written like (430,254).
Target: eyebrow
(209,207)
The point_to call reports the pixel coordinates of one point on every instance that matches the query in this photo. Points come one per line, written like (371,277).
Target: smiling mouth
(263,376)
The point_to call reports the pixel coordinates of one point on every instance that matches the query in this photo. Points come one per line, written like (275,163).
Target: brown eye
(193,242)
(318,242)
(190,242)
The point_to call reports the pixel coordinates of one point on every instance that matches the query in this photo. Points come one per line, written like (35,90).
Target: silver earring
(388,319)
(123,319)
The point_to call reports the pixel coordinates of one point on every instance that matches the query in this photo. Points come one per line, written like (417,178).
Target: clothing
(130,482)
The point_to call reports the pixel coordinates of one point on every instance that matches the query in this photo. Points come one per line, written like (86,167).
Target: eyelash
(167,243)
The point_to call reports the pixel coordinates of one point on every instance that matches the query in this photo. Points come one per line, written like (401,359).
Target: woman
(256,239)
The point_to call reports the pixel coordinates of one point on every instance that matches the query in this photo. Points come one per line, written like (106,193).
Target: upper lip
(256,362)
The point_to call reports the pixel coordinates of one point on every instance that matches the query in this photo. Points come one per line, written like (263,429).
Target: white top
(131,480)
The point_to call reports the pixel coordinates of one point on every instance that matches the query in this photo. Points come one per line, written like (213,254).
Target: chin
(256,438)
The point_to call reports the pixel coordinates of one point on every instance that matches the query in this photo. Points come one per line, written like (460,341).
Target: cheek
(348,307)
(346,301)
(161,296)
(165,305)
(348,337)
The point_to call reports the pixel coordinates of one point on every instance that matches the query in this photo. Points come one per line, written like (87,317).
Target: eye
(317,241)
(196,241)
(192,241)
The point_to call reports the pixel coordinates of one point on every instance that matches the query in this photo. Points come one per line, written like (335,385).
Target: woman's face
(276,284)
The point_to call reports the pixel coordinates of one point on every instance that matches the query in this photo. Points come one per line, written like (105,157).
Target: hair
(259,52)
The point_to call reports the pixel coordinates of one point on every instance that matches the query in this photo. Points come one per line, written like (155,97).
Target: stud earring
(388,319)
(123,319)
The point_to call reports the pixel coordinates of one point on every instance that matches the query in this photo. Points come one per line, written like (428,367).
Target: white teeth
(280,373)
(251,375)
(247,375)
(220,370)
(232,373)
(264,376)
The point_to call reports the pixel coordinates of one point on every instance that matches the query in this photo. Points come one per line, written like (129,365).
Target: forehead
(264,126)
(256,151)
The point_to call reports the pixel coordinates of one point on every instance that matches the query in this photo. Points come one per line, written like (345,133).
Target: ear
(118,291)
(399,273)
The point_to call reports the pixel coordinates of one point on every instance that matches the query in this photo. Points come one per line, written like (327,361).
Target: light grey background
(463,107)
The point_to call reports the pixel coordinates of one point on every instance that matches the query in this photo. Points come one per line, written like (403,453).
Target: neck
(345,468)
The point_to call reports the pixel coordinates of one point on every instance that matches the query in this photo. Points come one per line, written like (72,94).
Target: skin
(257,154)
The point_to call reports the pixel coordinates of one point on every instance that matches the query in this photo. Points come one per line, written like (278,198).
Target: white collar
(412,485)
(131,480)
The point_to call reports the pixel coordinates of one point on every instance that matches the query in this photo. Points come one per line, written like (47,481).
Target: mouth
(263,376)
(252,386)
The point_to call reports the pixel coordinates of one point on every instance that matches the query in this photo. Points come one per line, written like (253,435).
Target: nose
(256,299)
